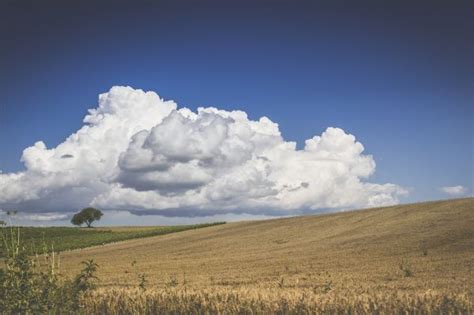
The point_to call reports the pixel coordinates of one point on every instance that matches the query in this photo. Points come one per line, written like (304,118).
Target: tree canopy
(87,216)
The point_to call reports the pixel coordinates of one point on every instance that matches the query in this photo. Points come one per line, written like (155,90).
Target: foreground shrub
(30,285)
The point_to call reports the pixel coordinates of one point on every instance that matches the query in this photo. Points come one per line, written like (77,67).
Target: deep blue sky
(400,77)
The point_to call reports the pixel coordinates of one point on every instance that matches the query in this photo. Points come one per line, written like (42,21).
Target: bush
(31,285)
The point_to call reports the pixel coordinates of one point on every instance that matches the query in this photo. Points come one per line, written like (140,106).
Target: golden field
(418,256)
(265,301)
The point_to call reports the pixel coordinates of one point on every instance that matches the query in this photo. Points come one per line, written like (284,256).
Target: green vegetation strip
(38,240)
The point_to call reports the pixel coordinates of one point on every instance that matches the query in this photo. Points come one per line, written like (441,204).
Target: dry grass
(355,256)
(258,301)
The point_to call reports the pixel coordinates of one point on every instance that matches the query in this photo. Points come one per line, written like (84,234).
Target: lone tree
(87,216)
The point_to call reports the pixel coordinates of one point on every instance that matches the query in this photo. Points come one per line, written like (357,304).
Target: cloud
(137,152)
(454,190)
(41,217)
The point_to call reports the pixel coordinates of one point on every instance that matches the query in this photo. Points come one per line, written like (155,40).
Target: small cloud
(48,216)
(45,217)
(454,190)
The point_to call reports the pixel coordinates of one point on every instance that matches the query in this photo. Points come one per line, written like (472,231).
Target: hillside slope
(67,238)
(433,240)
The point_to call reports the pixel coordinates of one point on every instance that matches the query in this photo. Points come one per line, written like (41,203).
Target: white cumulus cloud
(139,153)
(454,190)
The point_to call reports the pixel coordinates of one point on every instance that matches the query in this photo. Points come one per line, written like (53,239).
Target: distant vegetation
(87,216)
(65,238)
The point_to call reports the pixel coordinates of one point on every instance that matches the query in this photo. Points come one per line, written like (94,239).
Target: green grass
(67,238)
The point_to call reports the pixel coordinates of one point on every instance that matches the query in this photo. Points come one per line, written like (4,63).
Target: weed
(327,286)
(172,282)
(142,281)
(281,282)
(405,268)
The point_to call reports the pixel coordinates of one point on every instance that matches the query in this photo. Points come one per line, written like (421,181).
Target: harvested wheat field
(416,256)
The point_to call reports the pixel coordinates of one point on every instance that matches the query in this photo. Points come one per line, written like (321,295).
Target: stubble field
(407,258)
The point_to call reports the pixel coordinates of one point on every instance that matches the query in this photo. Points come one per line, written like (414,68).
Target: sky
(363,105)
